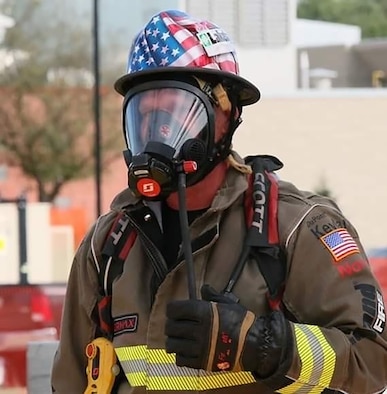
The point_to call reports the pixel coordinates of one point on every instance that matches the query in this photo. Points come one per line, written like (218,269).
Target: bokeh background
(321,66)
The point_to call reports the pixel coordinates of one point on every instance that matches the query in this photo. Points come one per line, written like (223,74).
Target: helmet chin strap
(223,146)
(227,103)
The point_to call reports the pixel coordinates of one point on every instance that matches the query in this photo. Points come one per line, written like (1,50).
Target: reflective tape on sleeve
(155,369)
(318,361)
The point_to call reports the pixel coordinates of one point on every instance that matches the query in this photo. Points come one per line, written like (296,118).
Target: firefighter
(209,274)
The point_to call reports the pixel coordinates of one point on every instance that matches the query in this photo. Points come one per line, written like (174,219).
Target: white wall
(339,136)
(39,248)
(9,244)
(49,248)
(309,33)
(271,69)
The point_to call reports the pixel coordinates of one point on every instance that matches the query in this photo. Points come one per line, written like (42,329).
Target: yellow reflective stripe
(318,361)
(136,378)
(156,356)
(157,370)
(201,382)
(131,352)
(172,383)
(292,388)
(212,380)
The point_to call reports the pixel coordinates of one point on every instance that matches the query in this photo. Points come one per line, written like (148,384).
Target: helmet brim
(247,92)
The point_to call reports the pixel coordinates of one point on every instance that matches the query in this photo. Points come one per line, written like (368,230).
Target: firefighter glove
(222,335)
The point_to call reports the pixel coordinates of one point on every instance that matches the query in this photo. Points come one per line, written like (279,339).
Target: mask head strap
(217,94)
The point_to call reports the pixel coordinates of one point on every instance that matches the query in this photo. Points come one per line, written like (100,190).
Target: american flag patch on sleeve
(340,244)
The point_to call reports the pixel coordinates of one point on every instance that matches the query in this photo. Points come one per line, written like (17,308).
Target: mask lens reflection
(170,116)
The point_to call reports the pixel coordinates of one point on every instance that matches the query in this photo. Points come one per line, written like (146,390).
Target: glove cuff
(271,339)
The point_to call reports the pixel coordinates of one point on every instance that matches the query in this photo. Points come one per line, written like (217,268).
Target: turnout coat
(331,298)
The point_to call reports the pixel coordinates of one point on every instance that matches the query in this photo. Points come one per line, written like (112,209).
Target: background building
(261,29)
(359,65)
(325,131)
(334,138)
(263,33)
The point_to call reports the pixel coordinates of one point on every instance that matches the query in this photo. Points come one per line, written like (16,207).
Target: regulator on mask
(169,130)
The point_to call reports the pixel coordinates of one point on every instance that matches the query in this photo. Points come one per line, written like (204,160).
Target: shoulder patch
(340,244)
(124,324)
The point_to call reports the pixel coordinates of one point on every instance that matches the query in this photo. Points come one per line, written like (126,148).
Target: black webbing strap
(264,245)
(261,242)
(115,250)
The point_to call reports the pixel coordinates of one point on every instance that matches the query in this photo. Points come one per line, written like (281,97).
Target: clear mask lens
(167,115)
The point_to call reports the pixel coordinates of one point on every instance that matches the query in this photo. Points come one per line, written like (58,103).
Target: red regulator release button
(148,187)
(190,166)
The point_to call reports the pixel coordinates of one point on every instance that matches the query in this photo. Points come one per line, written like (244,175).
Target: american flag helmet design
(174,42)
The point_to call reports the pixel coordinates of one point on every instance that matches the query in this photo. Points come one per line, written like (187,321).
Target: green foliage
(370,15)
(49,39)
(323,189)
(46,127)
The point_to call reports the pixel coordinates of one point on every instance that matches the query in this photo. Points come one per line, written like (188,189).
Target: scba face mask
(169,128)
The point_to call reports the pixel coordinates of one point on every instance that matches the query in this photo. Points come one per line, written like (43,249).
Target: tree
(47,134)
(50,40)
(370,15)
(323,189)
(46,125)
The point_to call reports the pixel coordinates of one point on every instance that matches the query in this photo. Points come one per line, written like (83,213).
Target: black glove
(224,336)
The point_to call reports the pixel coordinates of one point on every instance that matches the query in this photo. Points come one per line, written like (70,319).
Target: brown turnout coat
(334,304)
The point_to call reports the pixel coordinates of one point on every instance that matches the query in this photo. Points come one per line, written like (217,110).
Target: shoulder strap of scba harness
(262,239)
(263,236)
(261,242)
(118,243)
